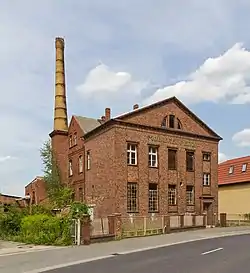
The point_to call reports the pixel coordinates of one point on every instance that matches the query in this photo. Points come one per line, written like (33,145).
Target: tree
(59,194)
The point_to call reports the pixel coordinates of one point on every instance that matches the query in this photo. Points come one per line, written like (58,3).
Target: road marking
(209,237)
(211,251)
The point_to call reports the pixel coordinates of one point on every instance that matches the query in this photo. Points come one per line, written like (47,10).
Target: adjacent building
(7,200)
(35,191)
(157,159)
(234,187)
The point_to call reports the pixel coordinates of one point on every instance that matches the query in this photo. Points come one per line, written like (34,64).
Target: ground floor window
(132,197)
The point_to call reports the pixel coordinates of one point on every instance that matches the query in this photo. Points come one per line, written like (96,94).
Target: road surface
(220,255)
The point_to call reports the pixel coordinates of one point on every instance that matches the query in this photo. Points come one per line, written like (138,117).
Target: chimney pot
(103,118)
(136,106)
(107,114)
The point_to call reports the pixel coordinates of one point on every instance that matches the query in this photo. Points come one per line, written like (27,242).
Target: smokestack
(107,114)
(60,110)
(136,106)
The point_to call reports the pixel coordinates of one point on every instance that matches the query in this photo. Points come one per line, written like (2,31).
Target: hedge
(45,230)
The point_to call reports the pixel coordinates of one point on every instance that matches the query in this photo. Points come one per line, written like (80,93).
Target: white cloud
(242,138)
(222,157)
(6,158)
(125,35)
(222,79)
(102,81)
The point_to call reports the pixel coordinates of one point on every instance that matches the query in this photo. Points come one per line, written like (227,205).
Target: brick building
(157,159)
(234,187)
(36,191)
(6,200)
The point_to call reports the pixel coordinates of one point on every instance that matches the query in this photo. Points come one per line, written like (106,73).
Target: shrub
(10,221)
(45,229)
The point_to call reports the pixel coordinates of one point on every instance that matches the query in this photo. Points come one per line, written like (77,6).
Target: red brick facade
(104,184)
(36,191)
(6,199)
(95,154)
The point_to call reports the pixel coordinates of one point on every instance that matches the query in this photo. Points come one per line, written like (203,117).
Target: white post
(78,221)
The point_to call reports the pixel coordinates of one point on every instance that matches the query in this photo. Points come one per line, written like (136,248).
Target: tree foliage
(59,194)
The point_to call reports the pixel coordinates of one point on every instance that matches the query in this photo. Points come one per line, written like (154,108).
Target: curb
(228,234)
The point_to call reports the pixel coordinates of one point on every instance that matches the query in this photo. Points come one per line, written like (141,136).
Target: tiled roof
(88,124)
(232,171)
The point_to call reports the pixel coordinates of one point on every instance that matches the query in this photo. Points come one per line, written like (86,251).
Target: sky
(118,54)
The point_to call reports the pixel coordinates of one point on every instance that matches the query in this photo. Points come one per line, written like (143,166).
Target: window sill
(130,212)
(170,169)
(73,146)
(153,167)
(190,171)
(206,186)
(151,211)
(132,165)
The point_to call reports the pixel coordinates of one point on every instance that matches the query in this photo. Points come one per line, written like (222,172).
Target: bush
(45,229)
(10,221)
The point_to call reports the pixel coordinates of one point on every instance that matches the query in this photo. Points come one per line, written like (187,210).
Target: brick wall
(37,191)
(75,151)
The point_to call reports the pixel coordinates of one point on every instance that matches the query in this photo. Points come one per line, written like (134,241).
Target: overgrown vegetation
(38,224)
(59,194)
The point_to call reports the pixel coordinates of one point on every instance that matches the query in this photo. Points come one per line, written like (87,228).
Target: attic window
(164,122)
(75,139)
(231,170)
(178,124)
(171,121)
(244,167)
(70,141)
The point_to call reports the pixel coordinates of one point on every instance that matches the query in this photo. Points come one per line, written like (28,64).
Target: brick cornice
(58,132)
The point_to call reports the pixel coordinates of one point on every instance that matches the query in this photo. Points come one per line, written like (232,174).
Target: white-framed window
(75,139)
(88,160)
(153,156)
(131,154)
(206,179)
(172,196)
(244,167)
(231,169)
(190,195)
(206,156)
(70,168)
(80,163)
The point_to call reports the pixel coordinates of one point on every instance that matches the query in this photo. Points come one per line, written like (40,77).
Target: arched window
(179,126)
(164,122)
(172,122)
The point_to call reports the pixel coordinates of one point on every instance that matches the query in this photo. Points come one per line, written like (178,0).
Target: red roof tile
(237,176)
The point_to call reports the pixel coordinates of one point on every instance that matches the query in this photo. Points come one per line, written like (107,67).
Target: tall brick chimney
(59,135)
(60,110)
(107,114)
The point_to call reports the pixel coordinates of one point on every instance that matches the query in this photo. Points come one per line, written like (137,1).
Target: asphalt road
(220,255)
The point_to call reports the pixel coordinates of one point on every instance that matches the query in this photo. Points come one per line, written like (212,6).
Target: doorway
(207,209)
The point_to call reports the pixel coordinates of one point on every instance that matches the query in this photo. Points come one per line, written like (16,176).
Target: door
(207,209)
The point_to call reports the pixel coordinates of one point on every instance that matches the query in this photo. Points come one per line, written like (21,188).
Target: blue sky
(118,54)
